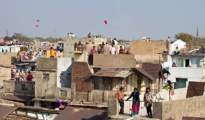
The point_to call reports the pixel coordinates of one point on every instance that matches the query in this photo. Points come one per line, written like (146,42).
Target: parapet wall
(175,110)
(68,42)
(114,61)
(150,47)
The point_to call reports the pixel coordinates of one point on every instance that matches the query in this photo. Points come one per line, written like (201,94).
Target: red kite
(36,25)
(105,21)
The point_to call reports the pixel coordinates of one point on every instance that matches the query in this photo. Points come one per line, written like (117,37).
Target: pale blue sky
(127,19)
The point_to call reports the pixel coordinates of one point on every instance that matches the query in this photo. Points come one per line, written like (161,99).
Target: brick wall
(81,76)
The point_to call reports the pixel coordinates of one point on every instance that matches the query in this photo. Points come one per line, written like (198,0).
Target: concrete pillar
(90,96)
(73,91)
(113,106)
(37,104)
(143,87)
(105,96)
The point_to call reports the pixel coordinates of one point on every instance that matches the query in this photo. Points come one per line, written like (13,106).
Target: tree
(185,37)
(60,38)
(120,40)
(7,38)
(21,37)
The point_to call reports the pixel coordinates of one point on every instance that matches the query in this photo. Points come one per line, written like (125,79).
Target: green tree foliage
(121,40)
(21,37)
(184,37)
(7,38)
(60,38)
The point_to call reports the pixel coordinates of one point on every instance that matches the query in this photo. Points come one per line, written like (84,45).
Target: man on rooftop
(112,49)
(121,51)
(69,35)
(89,35)
(52,52)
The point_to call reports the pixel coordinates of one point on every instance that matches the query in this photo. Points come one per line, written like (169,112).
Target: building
(13,48)
(69,44)
(54,79)
(44,43)
(188,64)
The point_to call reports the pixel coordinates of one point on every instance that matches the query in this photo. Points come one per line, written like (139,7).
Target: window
(96,83)
(180,83)
(107,84)
(187,62)
(198,62)
(63,93)
(46,76)
(180,62)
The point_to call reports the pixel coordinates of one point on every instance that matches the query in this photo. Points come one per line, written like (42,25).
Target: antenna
(55,34)
(197,33)
(7,33)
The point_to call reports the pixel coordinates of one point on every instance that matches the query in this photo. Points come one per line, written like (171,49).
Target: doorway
(187,63)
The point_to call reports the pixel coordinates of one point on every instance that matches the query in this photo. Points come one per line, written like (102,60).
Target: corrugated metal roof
(72,113)
(6,110)
(152,69)
(112,73)
(145,73)
(192,118)
(18,98)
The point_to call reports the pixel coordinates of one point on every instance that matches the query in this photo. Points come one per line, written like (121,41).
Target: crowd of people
(21,76)
(148,99)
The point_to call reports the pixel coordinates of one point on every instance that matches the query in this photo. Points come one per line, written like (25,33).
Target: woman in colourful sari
(93,51)
(135,102)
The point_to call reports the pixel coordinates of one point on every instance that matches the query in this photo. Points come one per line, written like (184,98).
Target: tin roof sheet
(18,98)
(6,110)
(73,113)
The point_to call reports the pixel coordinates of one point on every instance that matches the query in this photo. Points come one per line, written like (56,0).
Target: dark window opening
(187,63)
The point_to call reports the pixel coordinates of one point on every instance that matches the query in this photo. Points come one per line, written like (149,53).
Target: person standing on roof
(121,51)
(17,76)
(29,76)
(89,35)
(148,97)
(135,102)
(120,96)
(69,35)
(171,90)
(52,52)
(112,49)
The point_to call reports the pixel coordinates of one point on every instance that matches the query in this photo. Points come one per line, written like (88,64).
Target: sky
(126,19)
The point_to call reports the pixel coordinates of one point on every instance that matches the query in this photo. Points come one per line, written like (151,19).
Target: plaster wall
(114,61)
(64,68)
(149,58)
(192,74)
(150,47)
(178,43)
(175,110)
(44,63)
(5,74)
(45,88)
(5,61)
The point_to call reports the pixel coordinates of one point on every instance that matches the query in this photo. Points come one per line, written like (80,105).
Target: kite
(38,20)
(61,106)
(166,88)
(105,21)
(36,25)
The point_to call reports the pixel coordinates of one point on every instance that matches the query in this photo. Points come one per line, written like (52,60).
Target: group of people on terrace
(148,99)
(21,76)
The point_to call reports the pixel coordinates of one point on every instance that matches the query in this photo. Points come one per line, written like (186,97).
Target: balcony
(78,48)
(19,87)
